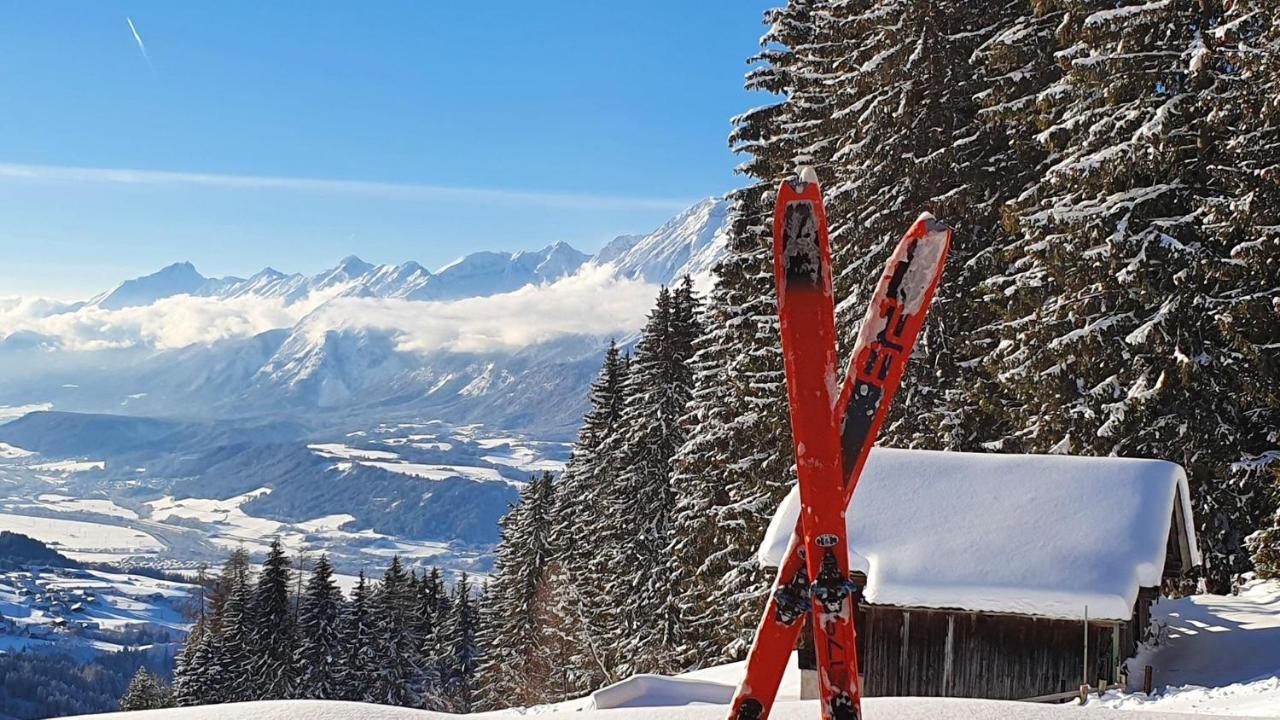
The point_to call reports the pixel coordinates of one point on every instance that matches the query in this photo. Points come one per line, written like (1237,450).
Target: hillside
(17,550)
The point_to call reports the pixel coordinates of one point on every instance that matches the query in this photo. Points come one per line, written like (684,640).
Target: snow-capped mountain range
(507,339)
(476,275)
(688,244)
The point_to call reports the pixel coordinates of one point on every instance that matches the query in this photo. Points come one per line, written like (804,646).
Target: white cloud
(592,302)
(170,323)
(12,172)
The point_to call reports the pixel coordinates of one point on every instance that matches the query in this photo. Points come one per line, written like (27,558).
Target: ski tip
(931,223)
(808,174)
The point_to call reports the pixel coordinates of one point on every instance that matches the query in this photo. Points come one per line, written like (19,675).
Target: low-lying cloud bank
(592,302)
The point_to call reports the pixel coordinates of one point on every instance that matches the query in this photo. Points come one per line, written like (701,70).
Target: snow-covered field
(82,540)
(11,412)
(439,472)
(453,452)
(233,525)
(70,466)
(98,506)
(1260,698)
(338,450)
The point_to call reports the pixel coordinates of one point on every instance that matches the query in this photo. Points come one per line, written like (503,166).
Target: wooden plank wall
(905,652)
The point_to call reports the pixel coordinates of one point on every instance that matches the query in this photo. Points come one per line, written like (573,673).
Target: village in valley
(91,610)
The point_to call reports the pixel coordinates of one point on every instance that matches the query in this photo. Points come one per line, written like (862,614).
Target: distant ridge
(689,243)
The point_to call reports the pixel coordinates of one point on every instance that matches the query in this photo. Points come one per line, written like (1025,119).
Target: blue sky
(436,128)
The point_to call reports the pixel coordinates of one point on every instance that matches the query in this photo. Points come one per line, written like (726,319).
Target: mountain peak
(267,272)
(688,244)
(351,263)
(412,266)
(180,278)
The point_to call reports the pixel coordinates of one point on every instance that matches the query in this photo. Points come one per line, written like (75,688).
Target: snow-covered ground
(457,453)
(11,412)
(99,506)
(875,709)
(82,540)
(339,450)
(1220,653)
(430,471)
(70,466)
(231,527)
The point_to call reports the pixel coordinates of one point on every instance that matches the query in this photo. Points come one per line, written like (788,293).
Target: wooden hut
(1005,576)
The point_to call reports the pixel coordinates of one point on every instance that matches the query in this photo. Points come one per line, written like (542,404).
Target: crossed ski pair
(834,425)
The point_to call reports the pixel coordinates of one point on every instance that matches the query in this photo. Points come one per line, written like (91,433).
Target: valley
(172,496)
(364,411)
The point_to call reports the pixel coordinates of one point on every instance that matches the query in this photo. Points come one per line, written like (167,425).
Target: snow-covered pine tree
(359,659)
(579,499)
(512,673)
(1139,335)
(432,601)
(192,665)
(398,661)
(272,640)
(145,692)
(318,660)
(433,610)
(580,504)
(1238,115)
(736,463)
(461,650)
(236,566)
(572,621)
(641,499)
(555,664)
(229,677)
(1264,544)
(905,136)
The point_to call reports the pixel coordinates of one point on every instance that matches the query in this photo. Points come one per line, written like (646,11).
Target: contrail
(141,46)
(18,173)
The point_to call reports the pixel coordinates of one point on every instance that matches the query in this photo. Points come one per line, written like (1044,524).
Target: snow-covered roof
(1041,535)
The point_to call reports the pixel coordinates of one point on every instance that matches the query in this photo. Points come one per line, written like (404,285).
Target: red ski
(806,313)
(893,322)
